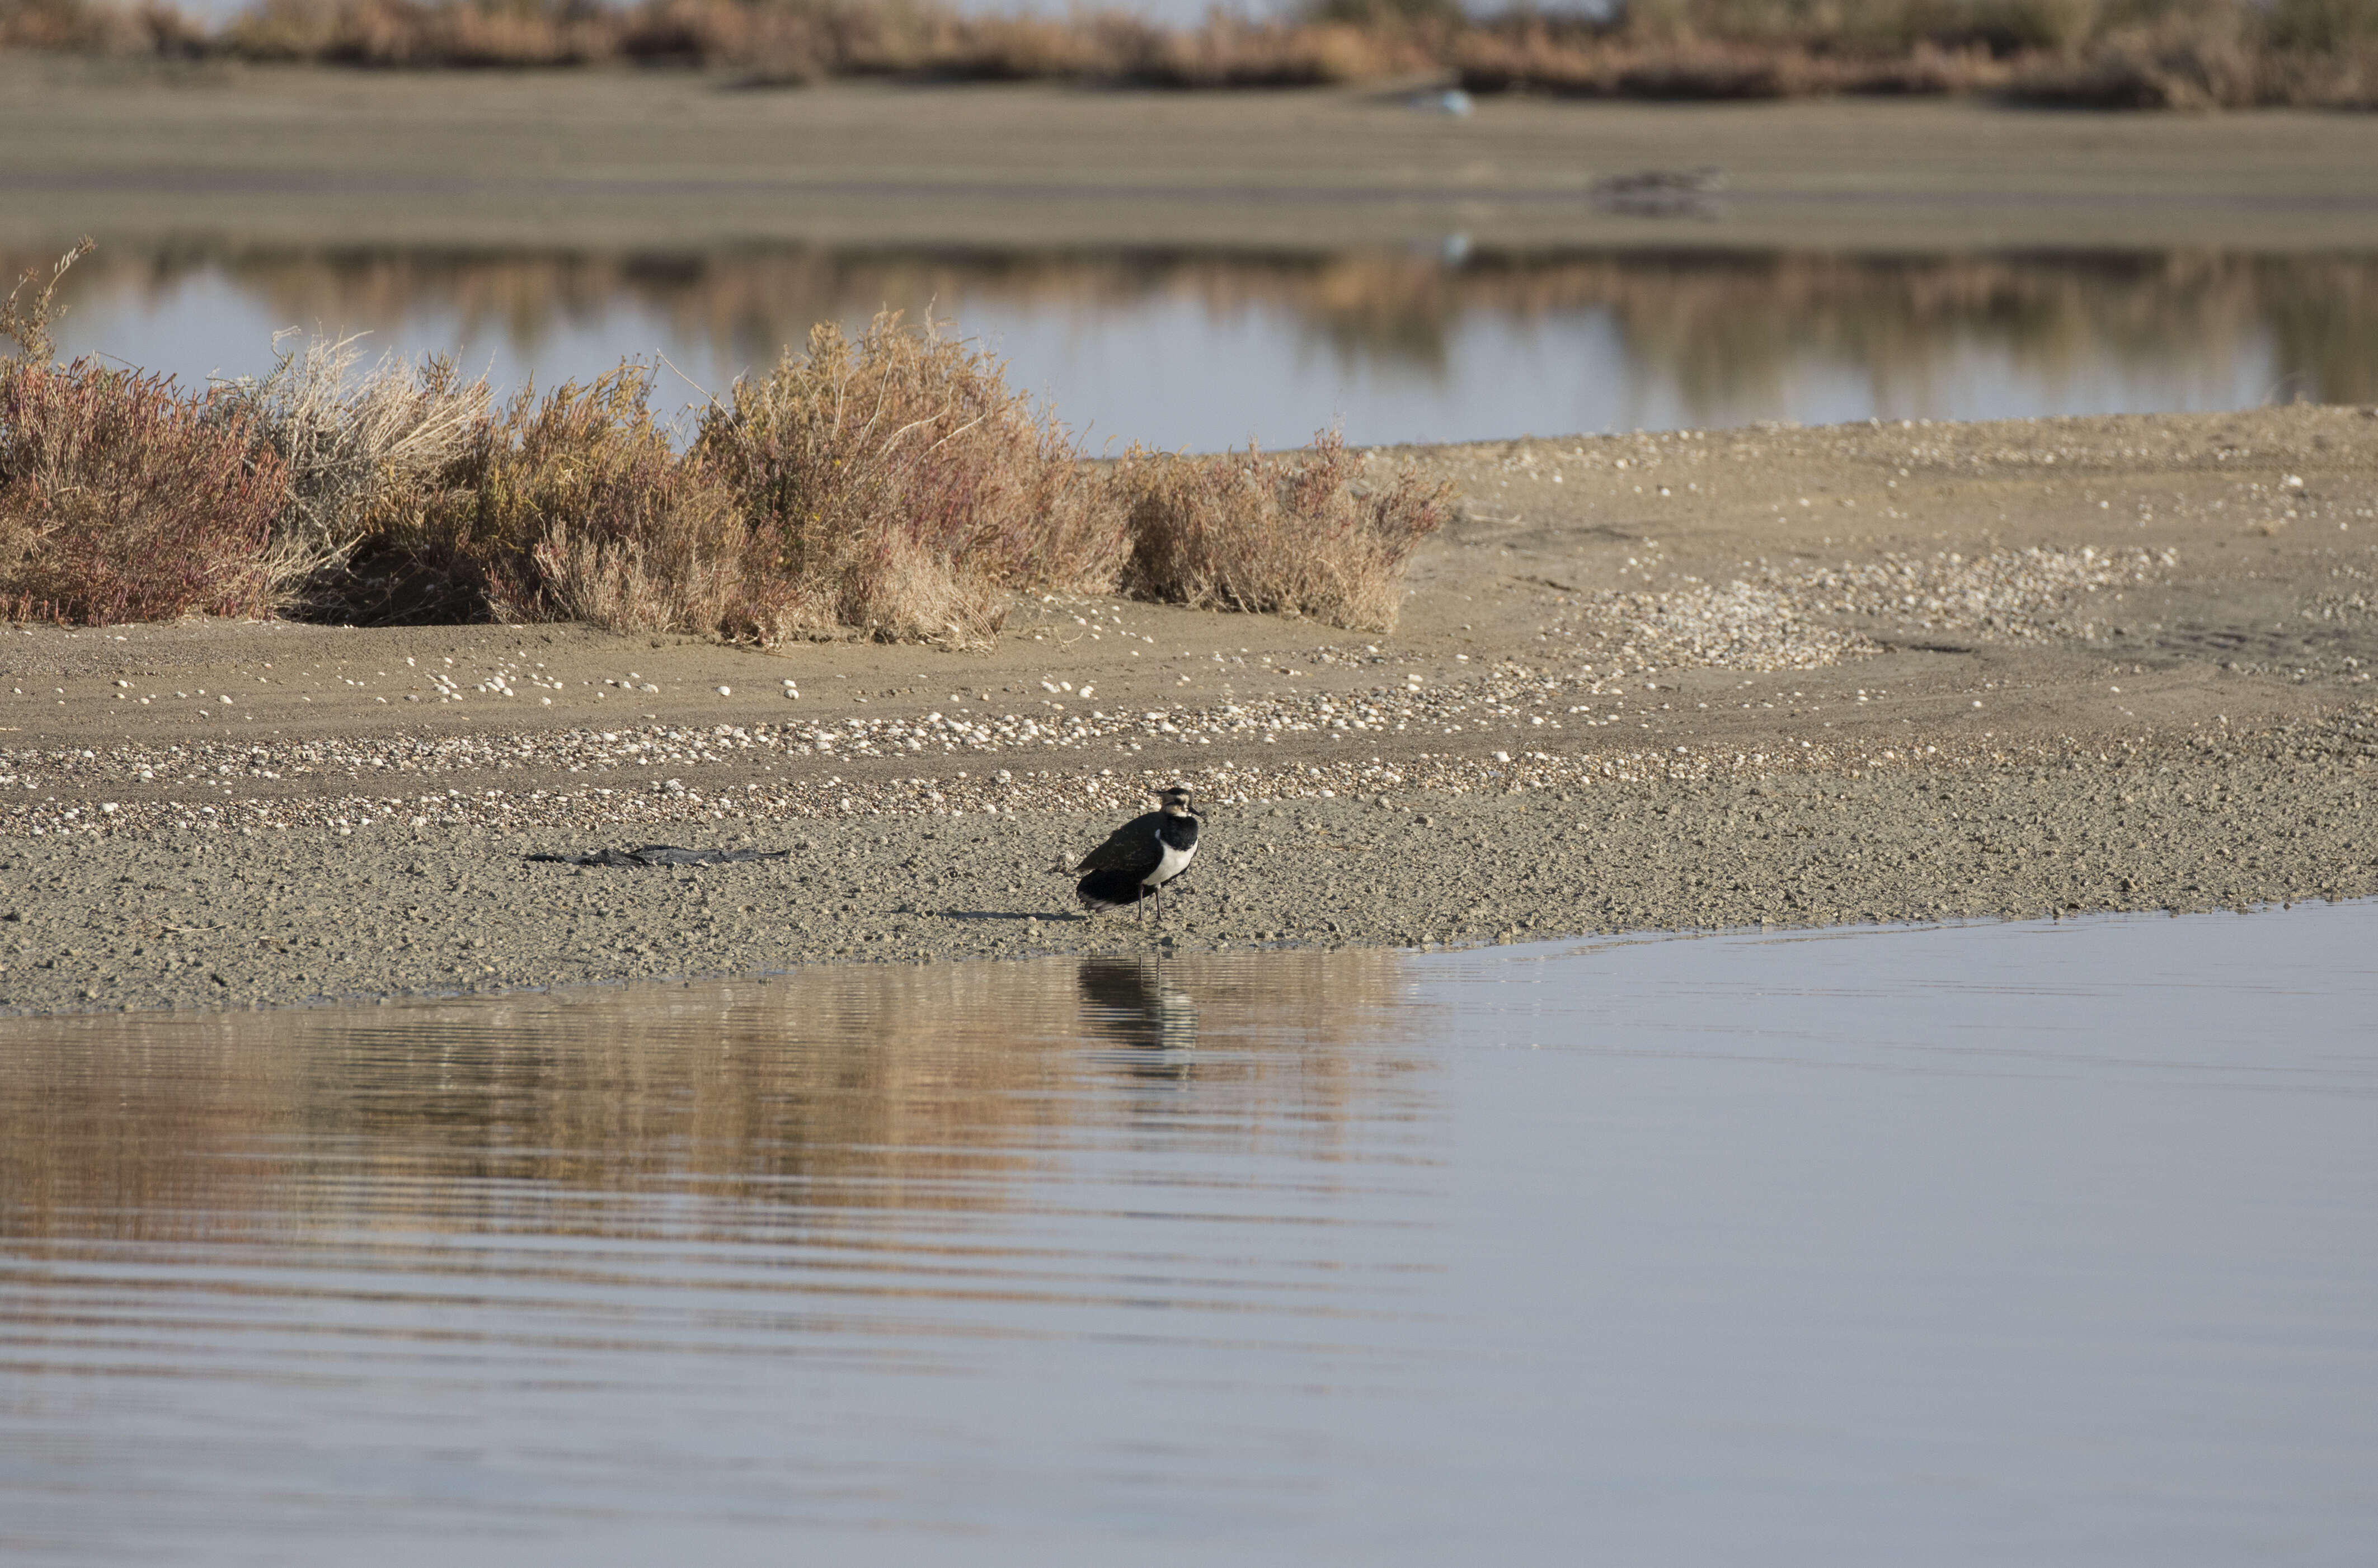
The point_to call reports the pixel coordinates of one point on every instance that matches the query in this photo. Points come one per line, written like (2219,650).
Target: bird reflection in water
(1125,1001)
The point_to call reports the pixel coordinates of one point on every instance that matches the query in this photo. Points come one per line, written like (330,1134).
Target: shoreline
(1694,681)
(205,918)
(621,161)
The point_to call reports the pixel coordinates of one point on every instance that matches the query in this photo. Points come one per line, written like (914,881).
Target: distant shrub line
(890,486)
(2114,53)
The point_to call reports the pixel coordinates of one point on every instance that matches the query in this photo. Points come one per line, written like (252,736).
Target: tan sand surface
(1801,676)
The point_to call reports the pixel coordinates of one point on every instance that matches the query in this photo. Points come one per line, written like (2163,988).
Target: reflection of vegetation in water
(1726,332)
(2323,316)
(868,1088)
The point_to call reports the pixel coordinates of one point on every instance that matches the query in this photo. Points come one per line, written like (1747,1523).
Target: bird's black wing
(1131,847)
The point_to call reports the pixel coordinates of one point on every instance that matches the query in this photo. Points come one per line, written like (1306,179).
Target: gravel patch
(2016,594)
(1740,626)
(667,758)
(2031,594)
(1438,850)
(1793,620)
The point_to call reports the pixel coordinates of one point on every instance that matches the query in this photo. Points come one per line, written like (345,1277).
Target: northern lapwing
(1139,857)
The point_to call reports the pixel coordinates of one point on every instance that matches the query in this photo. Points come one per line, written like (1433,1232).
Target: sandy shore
(1796,677)
(147,156)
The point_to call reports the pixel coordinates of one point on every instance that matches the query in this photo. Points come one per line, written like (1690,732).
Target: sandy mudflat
(144,157)
(1799,676)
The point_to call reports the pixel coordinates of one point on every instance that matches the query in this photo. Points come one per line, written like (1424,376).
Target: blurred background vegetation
(2109,53)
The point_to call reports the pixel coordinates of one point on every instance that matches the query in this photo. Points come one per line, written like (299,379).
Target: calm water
(1436,344)
(1987,1245)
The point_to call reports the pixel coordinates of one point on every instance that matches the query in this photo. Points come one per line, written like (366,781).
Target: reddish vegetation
(121,500)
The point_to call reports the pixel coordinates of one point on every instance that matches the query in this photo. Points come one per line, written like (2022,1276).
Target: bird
(1140,856)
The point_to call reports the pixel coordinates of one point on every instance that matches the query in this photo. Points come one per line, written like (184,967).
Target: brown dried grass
(2102,53)
(2298,54)
(508,34)
(2113,54)
(88,27)
(1231,52)
(896,484)
(1683,62)
(573,506)
(794,41)
(350,448)
(1299,535)
(760,42)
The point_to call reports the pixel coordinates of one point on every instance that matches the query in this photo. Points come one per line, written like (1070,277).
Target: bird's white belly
(1170,863)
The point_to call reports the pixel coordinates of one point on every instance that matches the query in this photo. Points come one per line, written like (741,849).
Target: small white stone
(725,691)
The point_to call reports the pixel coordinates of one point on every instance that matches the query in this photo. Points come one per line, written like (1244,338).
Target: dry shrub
(897,485)
(2159,53)
(762,41)
(409,33)
(120,497)
(1679,60)
(2306,53)
(32,308)
(770,44)
(793,41)
(1718,72)
(284,29)
(353,452)
(1299,535)
(1027,48)
(1228,52)
(2196,58)
(1535,58)
(2109,53)
(121,500)
(86,27)
(787,42)
(2316,27)
(49,24)
(570,507)
(894,485)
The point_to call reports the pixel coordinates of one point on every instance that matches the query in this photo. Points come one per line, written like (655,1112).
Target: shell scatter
(1139,857)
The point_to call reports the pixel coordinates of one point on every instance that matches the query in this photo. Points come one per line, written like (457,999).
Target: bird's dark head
(1176,801)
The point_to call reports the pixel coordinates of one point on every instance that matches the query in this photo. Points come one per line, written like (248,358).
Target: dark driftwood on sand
(662,854)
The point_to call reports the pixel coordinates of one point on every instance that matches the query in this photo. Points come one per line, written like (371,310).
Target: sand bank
(1798,676)
(143,156)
